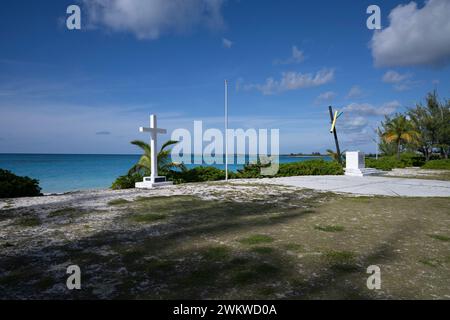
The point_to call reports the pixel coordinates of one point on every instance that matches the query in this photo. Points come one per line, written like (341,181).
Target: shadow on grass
(169,259)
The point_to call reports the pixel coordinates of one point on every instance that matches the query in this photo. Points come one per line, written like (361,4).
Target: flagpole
(378,144)
(226,130)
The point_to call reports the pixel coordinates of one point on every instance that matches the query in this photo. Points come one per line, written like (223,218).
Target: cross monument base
(355,165)
(153,182)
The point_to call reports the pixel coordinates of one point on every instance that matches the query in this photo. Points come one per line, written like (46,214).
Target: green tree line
(424,128)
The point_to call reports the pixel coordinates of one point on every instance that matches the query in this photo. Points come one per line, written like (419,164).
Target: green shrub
(388,163)
(443,164)
(250,170)
(127,181)
(197,174)
(12,186)
(412,159)
(303,168)
(202,174)
(384,163)
(310,168)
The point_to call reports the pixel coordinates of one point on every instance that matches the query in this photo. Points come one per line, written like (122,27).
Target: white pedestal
(153,182)
(362,172)
(355,165)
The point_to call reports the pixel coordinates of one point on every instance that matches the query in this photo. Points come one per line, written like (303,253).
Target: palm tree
(165,163)
(334,155)
(431,119)
(399,130)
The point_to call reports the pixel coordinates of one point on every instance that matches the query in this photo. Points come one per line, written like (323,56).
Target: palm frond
(390,137)
(168,143)
(145,162)
(134,169)
(163,158)
(143,145)
(181,166)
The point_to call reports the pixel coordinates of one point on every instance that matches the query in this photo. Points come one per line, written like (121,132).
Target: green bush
(127,181)
(310,168)
(303,168)
(12,186)
(443,164)
(197,174)
(388,163)
(250,170)
(412,159)
(202,174)
(384,163)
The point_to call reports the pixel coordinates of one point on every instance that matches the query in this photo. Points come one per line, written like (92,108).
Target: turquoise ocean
(71,172)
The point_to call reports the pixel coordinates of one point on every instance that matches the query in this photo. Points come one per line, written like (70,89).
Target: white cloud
(293,81)
(364,138)
(415,36)
(367,110)
(353,125)
(356,129)
(297,56)
(389,108)
(227,43)
(395,77)
(400,82)
(359,120)
(149,19)
(325,97)
(355,92)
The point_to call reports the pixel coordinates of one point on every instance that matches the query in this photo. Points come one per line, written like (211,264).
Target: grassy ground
(295,245)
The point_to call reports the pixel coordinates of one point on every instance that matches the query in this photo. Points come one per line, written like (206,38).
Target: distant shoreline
(303,156)
(139,154)
(65,172)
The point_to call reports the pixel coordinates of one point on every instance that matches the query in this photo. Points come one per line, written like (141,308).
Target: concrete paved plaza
(369,185)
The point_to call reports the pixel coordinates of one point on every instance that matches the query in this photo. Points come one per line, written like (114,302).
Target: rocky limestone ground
(224,240)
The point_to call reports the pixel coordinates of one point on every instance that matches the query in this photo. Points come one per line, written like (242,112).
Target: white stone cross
(154,130)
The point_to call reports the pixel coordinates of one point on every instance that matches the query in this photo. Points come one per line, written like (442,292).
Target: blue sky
(88,90)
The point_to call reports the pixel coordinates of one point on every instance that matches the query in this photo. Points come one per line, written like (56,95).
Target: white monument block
(154,180)
(355,165)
